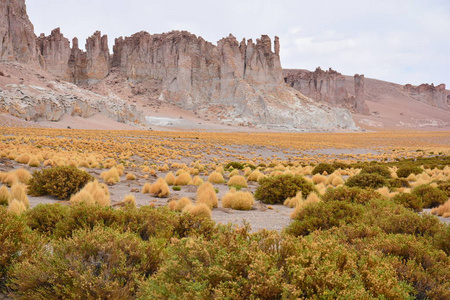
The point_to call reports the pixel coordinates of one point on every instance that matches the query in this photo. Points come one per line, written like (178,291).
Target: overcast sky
(402,41)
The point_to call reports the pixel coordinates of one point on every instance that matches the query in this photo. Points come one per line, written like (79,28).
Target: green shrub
(444,186)
(398,183)
(365,180)
(340,165)
(430,196)
(44,217)
(409,201)
(176,188)
(324,215)
(234,165)
(274,190)
(381,170)
(321,167)
(60,182)
(351,194)
(405,171)
(92,264)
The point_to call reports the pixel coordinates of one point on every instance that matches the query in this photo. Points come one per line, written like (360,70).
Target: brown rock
(17,38)
(328,86)
(428,93)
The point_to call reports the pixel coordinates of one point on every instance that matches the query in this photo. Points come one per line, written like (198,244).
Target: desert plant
(61,182)
(19,193)
(274,190)
(442,210)
(234,165)
(366,180)
(183,179)
(16,207)
(5,195)
(381,170)
(323,167)
(170,178)
(351,194)
(176,188)
(405,171)
(111,176)
(216,177)
(206,194)
(398,183)
(23,175)
(237,180)
(44,217)
(92,193)
(201,210)
(430,196)
(237,200)
(159,188)
(409,201)
(130,176)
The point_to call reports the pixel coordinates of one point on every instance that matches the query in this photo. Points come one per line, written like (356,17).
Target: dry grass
(238,200)
(112,176)
(294,201)
(16,207)
(207,195)
(201,210)
(197,181)
(19,192)
(130,176)
(159,189)
(92,193)
(216,177)
(442,210)
(319,179)
(237,180)
(312,198)
(181,203)
(170,178)
(129,200)
(5,195)
(183,179)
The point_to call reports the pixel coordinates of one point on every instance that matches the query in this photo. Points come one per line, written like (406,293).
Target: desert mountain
(236,83)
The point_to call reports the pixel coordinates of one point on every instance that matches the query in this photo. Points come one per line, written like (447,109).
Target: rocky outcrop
(428,93)
(17,38)
(328,86)
(73,64)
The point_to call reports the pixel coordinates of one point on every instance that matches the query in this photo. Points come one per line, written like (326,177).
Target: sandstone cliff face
(329,86)
(17,38)
(428,93)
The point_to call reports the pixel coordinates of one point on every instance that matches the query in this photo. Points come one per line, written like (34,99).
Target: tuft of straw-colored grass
(129,200)
(160,188)
(216,177)
(255,175)
(312,198)
(19,192)
(111,176)
(5,195)
(207,194)
(201,210)
(442,210)
(317,178)
(237,180)
(170,178)
(197,181)
(34,162)
(183,179)
(182,203)
(238,200)
(16,207)
(294,201)
(130,176)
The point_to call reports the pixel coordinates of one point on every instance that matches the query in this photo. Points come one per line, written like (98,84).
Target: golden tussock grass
(129,200)
(384,191)
(179,205)
(34,162)
(312,198)
(170,178)
(233,173)
(207,194)
(23,175)
(201,210)
(294,201)
(111,176)
(216,177)
(442,210)
(237,180)
(197,180)
(247,171)
(338,180)
(93,193)
(16,207)
(5,195)
(19,192)
(130,176)
(159,189)
(254,176)
(183,179)
(238,200)
(23,158)
(318,179)
(82,196)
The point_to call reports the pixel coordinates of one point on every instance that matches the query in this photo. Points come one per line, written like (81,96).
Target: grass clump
(216,177)
(159,189)
(409,200)
(170,178)
(238,200)
(93,193)
(61,182)
(323,167)
(275,190)
(237,180)
(112,176)
(200,210)
(183,179)
(366,180)
(5,195)
(206,194)
(130,176)
(405,171)
(442,210)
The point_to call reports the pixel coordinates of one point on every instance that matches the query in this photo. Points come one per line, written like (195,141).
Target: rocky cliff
(330,87)
(17,38)
(428,93)
(238,81)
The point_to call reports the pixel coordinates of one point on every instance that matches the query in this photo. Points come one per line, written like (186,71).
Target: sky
(401,41)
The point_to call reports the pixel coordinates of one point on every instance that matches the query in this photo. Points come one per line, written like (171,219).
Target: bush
(377,169)
(44,217)
(61,182)
(405,171)
(409,201)
(366,180)
(351,194)
(100,264)
(320,168)
(234,165)
(275,190)
(444,186)
(398,183)
(430,196)
(324,215)
(340,165)
(176,188)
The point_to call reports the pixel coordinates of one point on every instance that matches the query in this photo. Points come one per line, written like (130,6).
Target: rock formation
(328,86)
(17,38)
(428,93)
(240,81)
